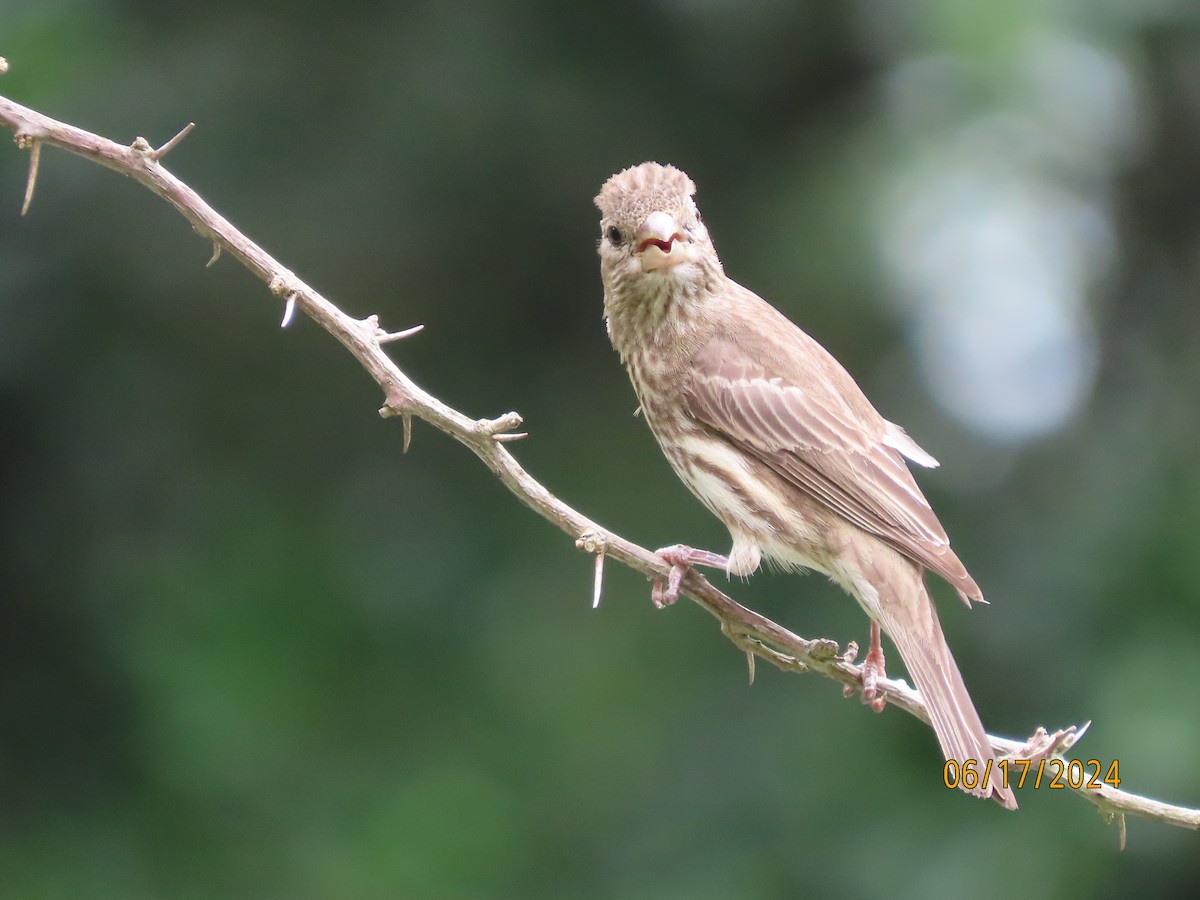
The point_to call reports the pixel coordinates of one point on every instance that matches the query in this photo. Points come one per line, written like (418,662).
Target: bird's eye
(614,235)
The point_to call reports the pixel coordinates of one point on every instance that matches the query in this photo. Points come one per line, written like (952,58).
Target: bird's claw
(873,670)
(661,595)
(680,558)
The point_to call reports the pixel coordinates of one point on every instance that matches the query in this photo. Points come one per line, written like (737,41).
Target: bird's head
(651,235)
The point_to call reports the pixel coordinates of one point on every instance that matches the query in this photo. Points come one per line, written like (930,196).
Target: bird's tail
(906,613)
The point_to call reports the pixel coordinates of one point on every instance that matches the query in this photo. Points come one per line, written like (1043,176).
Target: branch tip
(173,142)
(3,65)
(495,428)
(289,310)
(35,156)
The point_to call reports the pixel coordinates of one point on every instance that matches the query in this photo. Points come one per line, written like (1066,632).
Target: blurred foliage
(247,649)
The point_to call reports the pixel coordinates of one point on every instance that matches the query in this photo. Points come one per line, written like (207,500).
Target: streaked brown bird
(769,431)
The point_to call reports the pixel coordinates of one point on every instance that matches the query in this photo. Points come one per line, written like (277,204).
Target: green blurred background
(247,649)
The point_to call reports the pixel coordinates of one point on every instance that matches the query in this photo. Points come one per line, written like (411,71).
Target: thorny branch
(757,636)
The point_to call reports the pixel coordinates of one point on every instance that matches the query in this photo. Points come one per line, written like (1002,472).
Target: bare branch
(753,634)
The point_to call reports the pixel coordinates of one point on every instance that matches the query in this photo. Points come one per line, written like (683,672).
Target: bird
(774,436)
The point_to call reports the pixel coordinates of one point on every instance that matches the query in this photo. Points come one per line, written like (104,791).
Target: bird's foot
(681,558)
(871,670)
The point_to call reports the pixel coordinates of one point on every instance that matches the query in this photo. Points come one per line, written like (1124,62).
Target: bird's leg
(681,558)
(872,671)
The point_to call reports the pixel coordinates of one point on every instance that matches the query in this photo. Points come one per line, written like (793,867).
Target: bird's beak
(661,243)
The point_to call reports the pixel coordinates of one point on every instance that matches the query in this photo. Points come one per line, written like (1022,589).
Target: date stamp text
(1055,774)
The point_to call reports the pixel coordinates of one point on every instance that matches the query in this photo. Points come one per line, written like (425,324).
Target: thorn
(407,420)
(510,437)
(1079,732)
(593,542)
(289,310)
(1113,816)
(35,156)
(599,581)
(384,337)
(173,142)
(212,261)
(750,664)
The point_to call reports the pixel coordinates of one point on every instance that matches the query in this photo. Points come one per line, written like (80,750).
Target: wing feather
(823,436)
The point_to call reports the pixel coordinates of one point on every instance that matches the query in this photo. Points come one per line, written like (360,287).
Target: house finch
(769,431)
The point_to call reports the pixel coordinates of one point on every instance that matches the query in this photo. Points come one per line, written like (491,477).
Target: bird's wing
(811,424)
